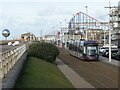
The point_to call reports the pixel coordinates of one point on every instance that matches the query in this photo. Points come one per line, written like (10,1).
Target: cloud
(35,15)
(57,1)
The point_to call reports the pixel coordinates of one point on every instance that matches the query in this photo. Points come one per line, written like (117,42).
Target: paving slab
(106,60)
(0,83)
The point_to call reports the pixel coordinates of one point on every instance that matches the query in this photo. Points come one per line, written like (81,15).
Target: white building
(28,37)
(50,38)
(115,20)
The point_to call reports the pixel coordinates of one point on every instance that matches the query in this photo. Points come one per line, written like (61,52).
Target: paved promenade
(10,78)
(72,76)
(106,60)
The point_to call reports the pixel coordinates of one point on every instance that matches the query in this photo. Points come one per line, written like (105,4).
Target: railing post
(9,58)
(1,67)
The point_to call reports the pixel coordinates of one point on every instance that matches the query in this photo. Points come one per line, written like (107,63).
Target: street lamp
(73,21)
(66,36)
(5,33)
(86,22)
(61,36)
(110,29)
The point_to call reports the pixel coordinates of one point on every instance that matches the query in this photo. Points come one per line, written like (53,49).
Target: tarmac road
(97,73)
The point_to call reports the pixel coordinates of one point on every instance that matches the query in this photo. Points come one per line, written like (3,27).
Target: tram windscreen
(92,50)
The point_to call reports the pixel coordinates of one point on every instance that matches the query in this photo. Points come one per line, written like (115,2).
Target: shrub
(44,51)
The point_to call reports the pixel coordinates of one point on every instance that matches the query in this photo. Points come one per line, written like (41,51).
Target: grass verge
(38,73)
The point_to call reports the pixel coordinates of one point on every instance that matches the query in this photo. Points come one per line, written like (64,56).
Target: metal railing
(9,58)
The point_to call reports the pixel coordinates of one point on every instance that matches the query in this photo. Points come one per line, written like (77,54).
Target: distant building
(50,38)
(28,37)
(115,20)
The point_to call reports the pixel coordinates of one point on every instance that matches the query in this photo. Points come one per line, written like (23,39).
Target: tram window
(80,49)
(70,46)
(91,50)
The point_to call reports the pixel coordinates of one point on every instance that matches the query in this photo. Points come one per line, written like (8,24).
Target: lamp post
(66,36)
(53,40)
(5,33)
(73,21)
(109,32)
(86,22)
(110,29)
(56,34)
(61,36)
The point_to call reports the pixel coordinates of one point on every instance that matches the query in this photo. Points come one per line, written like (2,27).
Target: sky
(40,16)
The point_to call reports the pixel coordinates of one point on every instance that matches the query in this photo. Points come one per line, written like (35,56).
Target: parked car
(9,43)
(104,52)
(16,43)
(102,49)
(118,55)
(113,53)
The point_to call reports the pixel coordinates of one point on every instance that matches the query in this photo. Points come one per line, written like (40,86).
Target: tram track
(97,73)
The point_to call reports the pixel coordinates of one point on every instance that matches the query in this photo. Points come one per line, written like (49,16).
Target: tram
(85,50)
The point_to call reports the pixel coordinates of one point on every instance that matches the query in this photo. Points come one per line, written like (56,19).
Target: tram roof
(84,42)
(91,42)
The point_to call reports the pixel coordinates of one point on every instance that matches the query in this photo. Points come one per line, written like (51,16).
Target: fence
(9,58)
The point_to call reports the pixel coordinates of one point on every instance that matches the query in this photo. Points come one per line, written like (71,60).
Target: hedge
(44,51)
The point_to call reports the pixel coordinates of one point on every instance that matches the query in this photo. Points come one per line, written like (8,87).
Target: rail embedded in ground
(9,58)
